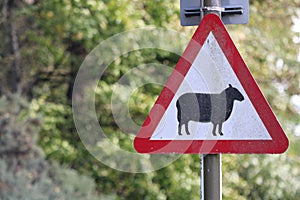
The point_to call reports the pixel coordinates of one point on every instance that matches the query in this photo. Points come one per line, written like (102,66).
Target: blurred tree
(24,174)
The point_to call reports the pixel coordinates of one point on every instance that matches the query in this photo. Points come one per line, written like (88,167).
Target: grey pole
(211,169)
(211,177)
(213,5)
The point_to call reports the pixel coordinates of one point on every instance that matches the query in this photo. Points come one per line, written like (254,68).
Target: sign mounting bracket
(232,11)
(226,10)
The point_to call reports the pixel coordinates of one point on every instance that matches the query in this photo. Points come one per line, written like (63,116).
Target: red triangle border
(279,142)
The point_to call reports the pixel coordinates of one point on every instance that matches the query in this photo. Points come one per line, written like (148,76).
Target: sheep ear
(230,85)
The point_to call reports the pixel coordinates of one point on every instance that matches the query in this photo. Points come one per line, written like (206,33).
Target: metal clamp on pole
(230,11)
(227,10)
(213,8)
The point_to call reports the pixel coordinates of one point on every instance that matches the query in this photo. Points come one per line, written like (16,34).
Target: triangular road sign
(211,103)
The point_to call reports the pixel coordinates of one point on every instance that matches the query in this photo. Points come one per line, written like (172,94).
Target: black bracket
(226,10)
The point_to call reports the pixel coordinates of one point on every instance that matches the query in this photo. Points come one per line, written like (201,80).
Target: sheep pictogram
(201,107)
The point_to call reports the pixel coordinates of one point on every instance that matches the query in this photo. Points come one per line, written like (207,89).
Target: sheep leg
(220,129)
(214,130)
(187,128)
(179,128)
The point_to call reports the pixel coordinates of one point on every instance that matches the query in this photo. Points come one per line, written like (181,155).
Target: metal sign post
(211,169)
(211,176)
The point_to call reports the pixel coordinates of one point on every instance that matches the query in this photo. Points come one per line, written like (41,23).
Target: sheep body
(201,107)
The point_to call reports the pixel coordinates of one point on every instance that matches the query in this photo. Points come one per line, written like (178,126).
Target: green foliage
(56,119)
(24,174)
(260,177)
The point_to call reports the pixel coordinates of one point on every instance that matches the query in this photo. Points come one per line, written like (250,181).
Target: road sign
(232,11)
(211,103)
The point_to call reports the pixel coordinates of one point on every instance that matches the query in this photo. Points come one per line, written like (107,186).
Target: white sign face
(211,73)
(211,104)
